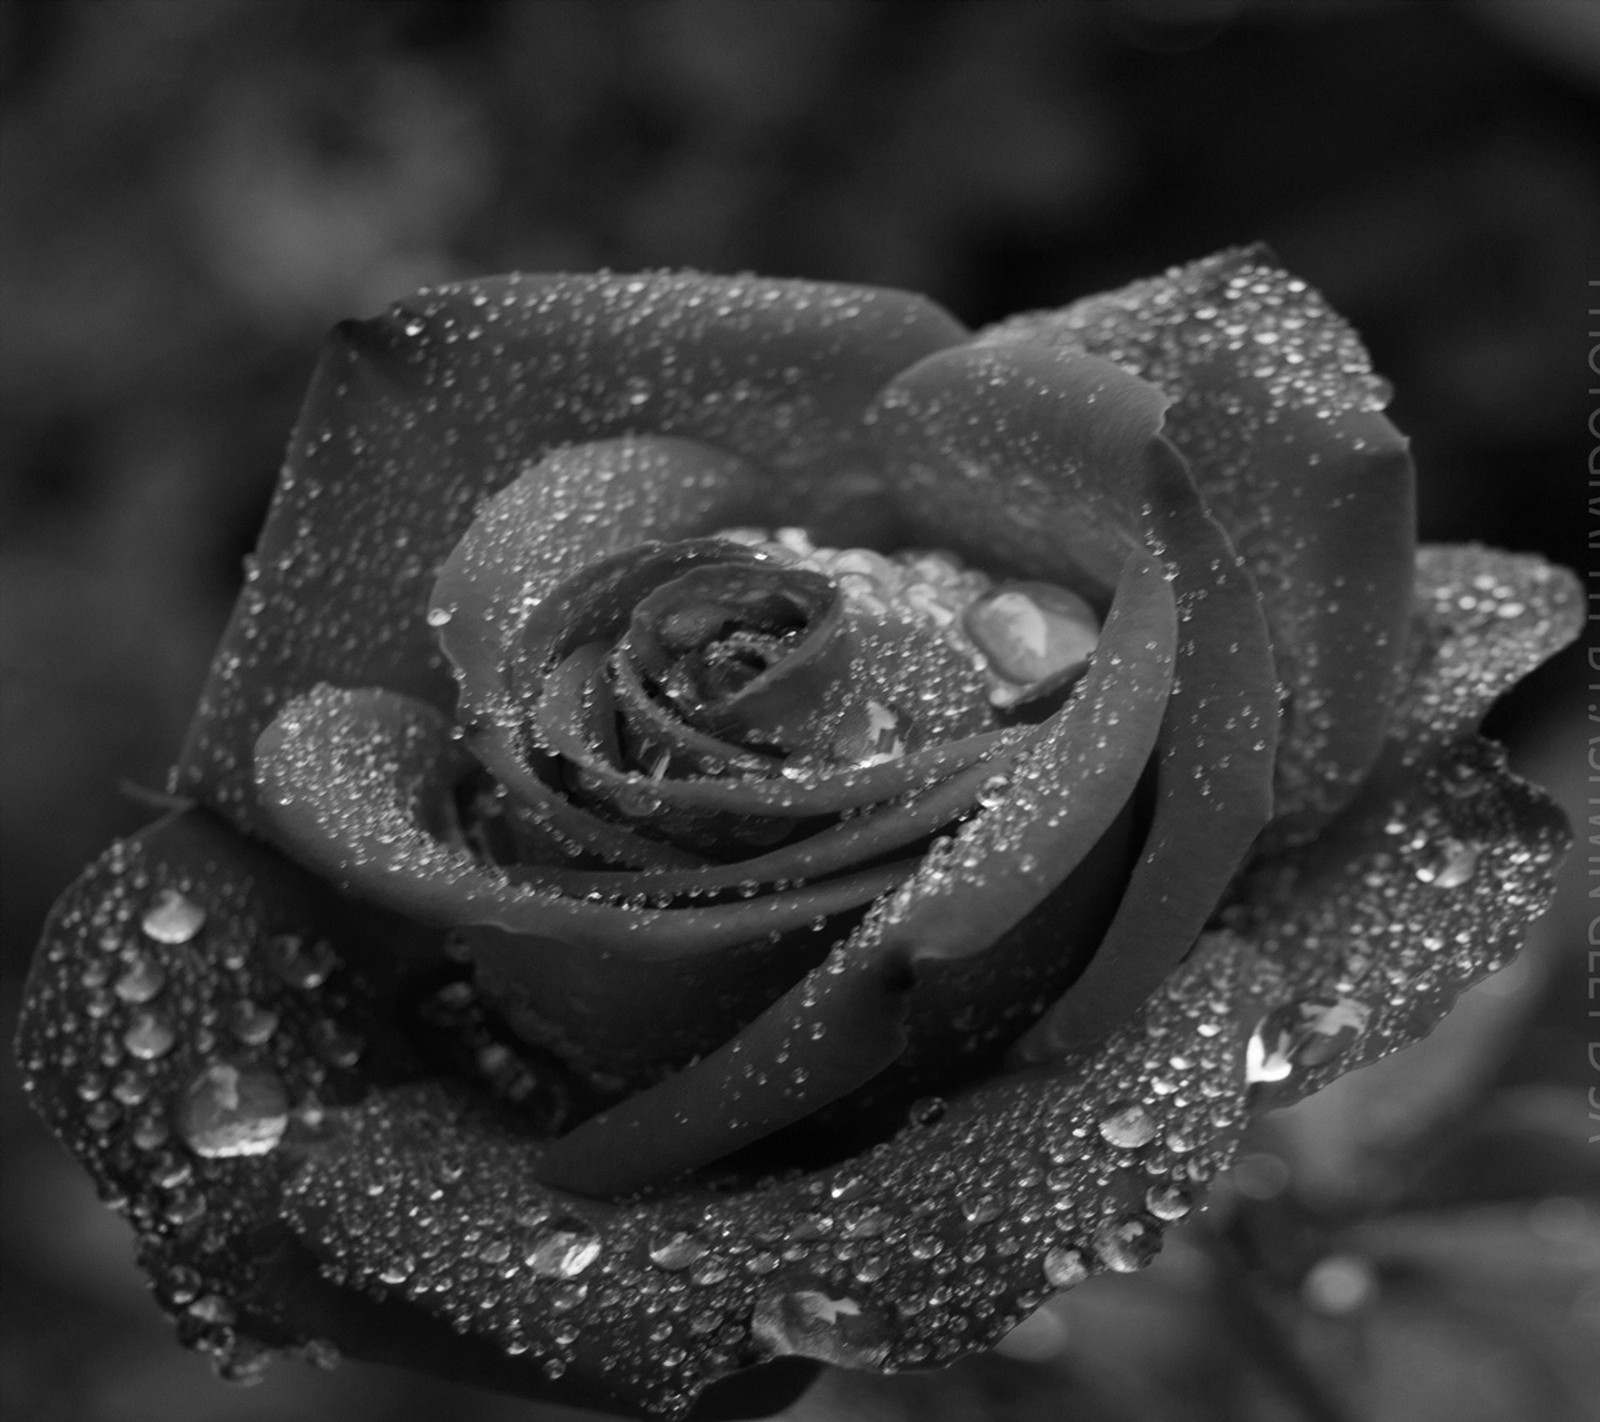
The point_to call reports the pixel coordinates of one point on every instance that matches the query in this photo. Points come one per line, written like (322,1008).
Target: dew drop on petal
(172,918)
(1303,1034)
(397,1270)
(149,1036)
(1127,1245)
(141,982)
(820,1323)
(1034,636)
(1064,1267)
(229,1111)
(1128,1126)
(874,734)
(1448,864)
(562,1248)
(1168,1202)
(677,1249)
(980,1209)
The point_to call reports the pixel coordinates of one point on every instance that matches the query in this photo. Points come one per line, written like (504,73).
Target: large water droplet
(1035,636)
(1448,864)
(562,1248)
(1128,1126)
(149,1037)
(677,1249)
(141,981)
(818,1323)
(229,1111)
(172,918)
(1303,1034)
(1064,1267)
(873,734)
(1168,1202)
(980,1209)
(1127,1245)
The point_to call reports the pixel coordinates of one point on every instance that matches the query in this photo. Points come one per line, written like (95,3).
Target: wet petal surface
(1277,411)
(413,418)
(408,1185)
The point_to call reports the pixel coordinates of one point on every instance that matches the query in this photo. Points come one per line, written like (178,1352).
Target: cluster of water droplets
(194,1046)
(204,1065)
(1023,639)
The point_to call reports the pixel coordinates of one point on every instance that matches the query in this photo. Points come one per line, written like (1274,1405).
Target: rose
(1163,893)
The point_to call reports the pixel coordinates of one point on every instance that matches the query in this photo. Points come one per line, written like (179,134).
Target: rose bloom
(737,823)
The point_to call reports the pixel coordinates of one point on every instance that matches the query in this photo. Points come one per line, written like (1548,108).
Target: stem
(1261,1337)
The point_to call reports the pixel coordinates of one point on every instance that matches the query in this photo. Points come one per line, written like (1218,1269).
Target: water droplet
(172,918)
(980,1209)
(230,1111)
(440,616)
(1303,1034)
(1448,864)
(807,1322)
(1035,636)
(994,792)
(1128,1126)
(1064,1267)
(397,1270)
(212,1309)
(1168,1202)
(873,734)
(677,1249)
(562,1248)
(1127,1245)
(149,1037)
(142,981)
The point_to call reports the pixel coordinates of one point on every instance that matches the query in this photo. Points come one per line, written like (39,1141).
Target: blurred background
(192,191)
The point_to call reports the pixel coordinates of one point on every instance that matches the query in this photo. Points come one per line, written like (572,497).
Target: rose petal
(579,505)
(1054,463)
(1458,852)
(620,991)
(844,1023)
(348,778)
(839,1027)
(1030,1182)
(415,417)
(1276,409)
(211,1229)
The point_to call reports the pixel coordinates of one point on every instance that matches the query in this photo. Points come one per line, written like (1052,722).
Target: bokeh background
(192,191)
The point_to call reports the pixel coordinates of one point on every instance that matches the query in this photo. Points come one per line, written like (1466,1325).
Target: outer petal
(1053,464)
(415,417)
(1275,407)
(279,984)
(927,1248)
